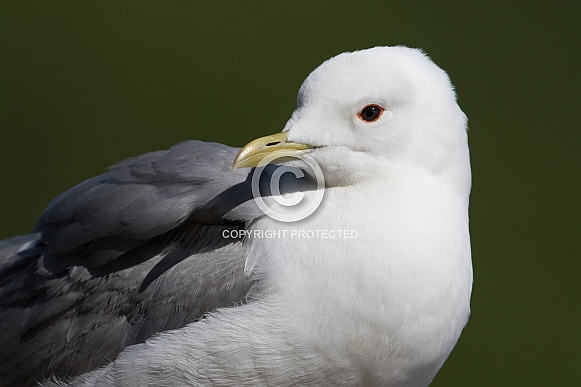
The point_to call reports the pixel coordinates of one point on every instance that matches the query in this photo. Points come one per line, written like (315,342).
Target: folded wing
(135,251)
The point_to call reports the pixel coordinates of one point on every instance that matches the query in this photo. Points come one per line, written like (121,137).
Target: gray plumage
(120,257)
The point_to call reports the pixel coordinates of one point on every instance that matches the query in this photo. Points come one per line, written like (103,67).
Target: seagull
(189,266)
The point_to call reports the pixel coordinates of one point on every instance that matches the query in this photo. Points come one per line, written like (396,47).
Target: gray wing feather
(121,256)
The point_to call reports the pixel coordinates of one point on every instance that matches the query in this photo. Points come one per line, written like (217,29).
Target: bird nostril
(273,143)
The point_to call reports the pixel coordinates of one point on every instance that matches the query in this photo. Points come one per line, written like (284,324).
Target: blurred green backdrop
(84,84)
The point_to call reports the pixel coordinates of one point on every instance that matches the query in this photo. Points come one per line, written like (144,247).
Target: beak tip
(238,161)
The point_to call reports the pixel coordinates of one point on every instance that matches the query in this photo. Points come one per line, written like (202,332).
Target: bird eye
(370,113)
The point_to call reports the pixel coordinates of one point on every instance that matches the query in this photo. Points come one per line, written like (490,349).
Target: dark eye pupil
(371,113)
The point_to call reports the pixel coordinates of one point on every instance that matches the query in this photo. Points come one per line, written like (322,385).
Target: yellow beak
(255,151)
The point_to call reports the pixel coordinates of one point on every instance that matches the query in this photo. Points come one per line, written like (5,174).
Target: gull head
(367,114)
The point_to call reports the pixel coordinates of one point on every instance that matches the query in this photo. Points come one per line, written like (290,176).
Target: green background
(84,84)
